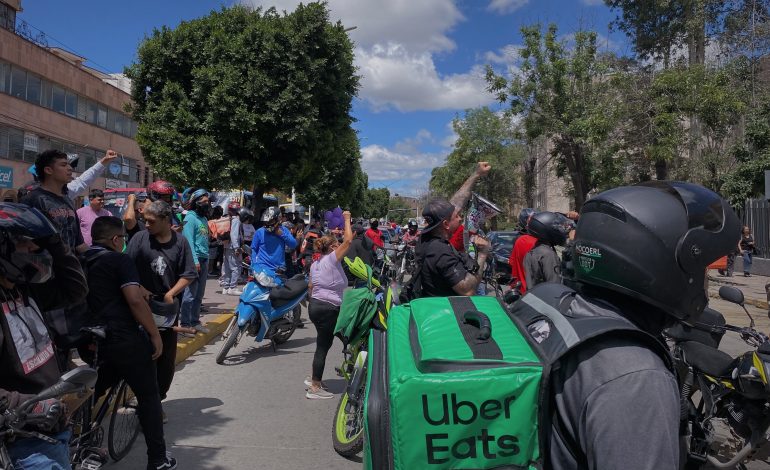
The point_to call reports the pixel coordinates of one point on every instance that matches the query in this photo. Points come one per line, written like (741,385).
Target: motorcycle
(13,421)
(265,311)
(348,424)
(406,261)
(725,401)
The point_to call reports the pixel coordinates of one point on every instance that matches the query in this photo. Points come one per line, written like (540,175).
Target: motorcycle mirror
(77,379)
(731,294)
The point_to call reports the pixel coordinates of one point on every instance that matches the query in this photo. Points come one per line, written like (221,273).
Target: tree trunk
(574,159)
(661,169)
(256,204)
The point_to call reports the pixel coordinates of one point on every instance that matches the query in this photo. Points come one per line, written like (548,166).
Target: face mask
(32,268)
(203,209)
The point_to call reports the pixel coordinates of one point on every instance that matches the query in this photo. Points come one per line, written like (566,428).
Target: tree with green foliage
(752,158)
(399,211)
(376,203)
(563,96)
(247,98)
(482,136)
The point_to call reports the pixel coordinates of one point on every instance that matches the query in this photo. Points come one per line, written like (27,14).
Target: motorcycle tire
(348,426)
(283,335)
(232,336)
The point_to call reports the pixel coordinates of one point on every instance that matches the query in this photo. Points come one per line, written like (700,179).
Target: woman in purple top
(327,281)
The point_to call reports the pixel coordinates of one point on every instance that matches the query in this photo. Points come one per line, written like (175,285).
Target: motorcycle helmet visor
(711,222)
(704,208)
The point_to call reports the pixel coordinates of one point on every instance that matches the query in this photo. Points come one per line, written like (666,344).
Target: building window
(45,99)
(71,106)
(18,83)
(15,144)
(4,142)
(101,116)
(58,99)
(5,77)
(34,89)
(7,17)
(90,112)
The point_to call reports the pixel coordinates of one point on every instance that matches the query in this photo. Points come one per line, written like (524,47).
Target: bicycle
(86,452)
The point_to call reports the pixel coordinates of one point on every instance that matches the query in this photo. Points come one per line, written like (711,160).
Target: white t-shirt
(248,231)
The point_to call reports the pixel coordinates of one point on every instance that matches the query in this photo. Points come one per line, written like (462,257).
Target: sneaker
(319,394)
(309,383)
(226,291)
(235,291)
(184,334)
(169,464)
(201,329)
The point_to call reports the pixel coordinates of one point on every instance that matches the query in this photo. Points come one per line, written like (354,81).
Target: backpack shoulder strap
(544,314)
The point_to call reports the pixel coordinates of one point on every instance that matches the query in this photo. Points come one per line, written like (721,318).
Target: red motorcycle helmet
(233,208)
(161,190)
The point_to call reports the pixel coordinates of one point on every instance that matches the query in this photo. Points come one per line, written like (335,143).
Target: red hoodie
(456,240)
(376,237)
(520,249)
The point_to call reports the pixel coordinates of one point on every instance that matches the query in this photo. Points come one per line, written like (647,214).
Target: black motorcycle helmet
(412,225)
(524,217)
(19,221)
(653,242)
(245,215)
(548,227)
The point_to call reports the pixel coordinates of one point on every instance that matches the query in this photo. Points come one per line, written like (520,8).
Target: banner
(480,211)
(6,177)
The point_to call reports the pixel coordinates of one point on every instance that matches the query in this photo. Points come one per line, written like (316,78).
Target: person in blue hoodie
(269,244)
(196,231)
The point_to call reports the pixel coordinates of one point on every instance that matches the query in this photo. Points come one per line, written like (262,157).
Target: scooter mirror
(731,294)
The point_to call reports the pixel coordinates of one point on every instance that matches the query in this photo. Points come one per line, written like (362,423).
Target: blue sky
(421,61)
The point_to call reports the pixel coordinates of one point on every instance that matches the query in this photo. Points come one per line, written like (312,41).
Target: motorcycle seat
(292,288)
(702,331)
(707,359)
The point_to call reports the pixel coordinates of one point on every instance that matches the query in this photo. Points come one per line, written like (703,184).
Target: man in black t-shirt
(116,299)
(443,271)
(54,172)
(165,265)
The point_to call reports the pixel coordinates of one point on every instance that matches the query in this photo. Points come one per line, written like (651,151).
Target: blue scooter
(265,311)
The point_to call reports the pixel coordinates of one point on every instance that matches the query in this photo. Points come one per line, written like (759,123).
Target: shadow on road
(191,418)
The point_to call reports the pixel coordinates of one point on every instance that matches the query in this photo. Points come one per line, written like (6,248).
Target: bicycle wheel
(124,423)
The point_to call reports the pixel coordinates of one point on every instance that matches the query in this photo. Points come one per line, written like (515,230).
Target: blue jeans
(190,313)
(231,268)
(747,261)
(35,454)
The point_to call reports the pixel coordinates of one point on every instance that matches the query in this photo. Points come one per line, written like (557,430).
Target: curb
(761,304)
(186,347)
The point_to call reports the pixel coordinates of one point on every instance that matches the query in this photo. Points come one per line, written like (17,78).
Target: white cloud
(393,77)
(418,25)
(395,45)
(507,54)
(405,167)
(505,7)
(449,141)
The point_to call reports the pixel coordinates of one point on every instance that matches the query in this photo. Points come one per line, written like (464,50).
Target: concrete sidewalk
(753,287)
(218,312)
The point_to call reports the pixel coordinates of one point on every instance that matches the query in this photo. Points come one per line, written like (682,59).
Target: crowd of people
(639,253)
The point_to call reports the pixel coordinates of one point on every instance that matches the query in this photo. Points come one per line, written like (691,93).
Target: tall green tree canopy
(563,95)
(376,203)
(482,136)
(247,98)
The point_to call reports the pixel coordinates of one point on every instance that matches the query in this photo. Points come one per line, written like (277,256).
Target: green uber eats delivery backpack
(459,383)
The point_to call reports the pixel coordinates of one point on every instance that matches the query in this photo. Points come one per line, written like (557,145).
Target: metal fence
(756,214)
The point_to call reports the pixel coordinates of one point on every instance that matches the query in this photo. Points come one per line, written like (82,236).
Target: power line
(65,46)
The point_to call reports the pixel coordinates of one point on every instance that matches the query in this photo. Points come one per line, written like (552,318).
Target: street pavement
(251,412)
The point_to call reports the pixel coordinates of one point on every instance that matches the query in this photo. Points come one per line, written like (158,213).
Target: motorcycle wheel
(280,336)
(348,425)
(232,336)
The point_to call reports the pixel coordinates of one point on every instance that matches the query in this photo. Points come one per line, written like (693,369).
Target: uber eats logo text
(455,412)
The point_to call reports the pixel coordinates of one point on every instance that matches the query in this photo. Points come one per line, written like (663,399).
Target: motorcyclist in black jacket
(38,272)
